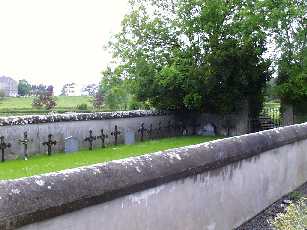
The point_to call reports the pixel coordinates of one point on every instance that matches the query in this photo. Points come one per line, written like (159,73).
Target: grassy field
(23,105)
(43,164)
(26,102)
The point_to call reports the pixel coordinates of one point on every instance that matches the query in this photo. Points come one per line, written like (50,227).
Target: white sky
(57,41)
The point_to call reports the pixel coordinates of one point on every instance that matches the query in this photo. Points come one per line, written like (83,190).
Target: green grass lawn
(23,105)
(26,102)
(43,164)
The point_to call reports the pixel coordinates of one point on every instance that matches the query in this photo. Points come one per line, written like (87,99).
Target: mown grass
(15,106)
(26,102)
(37,165)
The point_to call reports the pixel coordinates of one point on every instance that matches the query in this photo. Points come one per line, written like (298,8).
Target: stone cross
(142,130)
(102,137)
(49,144)
(115,133)
(3,146)
(25,142)
(90,139)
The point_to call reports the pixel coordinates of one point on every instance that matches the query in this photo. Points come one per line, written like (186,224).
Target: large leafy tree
(288,27)
(194,54)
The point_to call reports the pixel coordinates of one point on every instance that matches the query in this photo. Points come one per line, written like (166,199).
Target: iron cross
(194,128)
(49,144)
(3,146)
(142,130)
(115,133)
(169,128)
(90,139)
(25,142)
(159,129)
(150,131)
(102,137)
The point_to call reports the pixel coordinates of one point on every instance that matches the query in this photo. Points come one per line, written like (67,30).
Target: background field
(23,105)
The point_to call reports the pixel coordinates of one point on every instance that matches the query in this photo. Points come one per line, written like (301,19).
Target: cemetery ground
(40,164)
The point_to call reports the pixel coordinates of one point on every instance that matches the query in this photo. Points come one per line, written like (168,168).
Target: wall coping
(29,200)
(55,117)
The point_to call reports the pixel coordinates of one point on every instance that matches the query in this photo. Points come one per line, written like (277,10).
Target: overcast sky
(57,41)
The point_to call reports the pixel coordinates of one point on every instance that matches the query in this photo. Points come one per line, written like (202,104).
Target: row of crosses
(25,142)
(91,138)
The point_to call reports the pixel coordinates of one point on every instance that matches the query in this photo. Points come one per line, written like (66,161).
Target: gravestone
(208,130)
(71,144)
(129,137)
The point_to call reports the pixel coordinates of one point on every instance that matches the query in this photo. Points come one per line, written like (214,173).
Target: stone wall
(216,185)
(78,126)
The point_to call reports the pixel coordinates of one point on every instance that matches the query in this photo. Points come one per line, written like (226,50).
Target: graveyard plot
(41,164)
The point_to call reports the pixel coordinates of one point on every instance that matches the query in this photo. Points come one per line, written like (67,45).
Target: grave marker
(150,131)
(194,128)
(115,133)
(90,139)
(3,146)
(71,144)
(142,130)
(169,128)
(129,137)
(102,137)
(25,142)
(49,144)
(208,129)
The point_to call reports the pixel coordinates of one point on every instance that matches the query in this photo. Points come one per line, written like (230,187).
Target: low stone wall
(216,185)
(76,125)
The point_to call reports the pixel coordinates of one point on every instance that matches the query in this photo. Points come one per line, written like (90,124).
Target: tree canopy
(198,55)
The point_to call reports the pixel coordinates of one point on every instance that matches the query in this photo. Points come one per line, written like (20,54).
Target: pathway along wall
(216,185)
(62,126)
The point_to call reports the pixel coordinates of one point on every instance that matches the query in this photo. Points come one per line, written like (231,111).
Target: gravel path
(260,222)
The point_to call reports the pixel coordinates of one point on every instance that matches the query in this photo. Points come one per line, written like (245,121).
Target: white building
(9,86)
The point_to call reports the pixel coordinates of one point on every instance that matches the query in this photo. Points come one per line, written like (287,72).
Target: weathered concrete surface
(215,185)
(219,199)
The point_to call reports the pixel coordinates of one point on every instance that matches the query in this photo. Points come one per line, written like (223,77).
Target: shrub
(294,218)
(82,106)
(44,100)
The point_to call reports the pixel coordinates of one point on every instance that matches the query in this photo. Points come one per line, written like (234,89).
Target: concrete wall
(78,129)
(216,185)
(78,126)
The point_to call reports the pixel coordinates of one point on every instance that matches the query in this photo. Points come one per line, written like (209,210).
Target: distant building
(9,86)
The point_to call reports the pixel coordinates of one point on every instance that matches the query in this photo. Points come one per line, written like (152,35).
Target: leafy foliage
(24,88)
(98,100)
(45,100)
(288,25)
(193,55)
(294,218)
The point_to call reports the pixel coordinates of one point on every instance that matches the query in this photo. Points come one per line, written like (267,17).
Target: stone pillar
(287,115)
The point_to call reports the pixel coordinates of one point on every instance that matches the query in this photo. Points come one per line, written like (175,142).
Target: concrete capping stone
(52,118)
(29,200)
